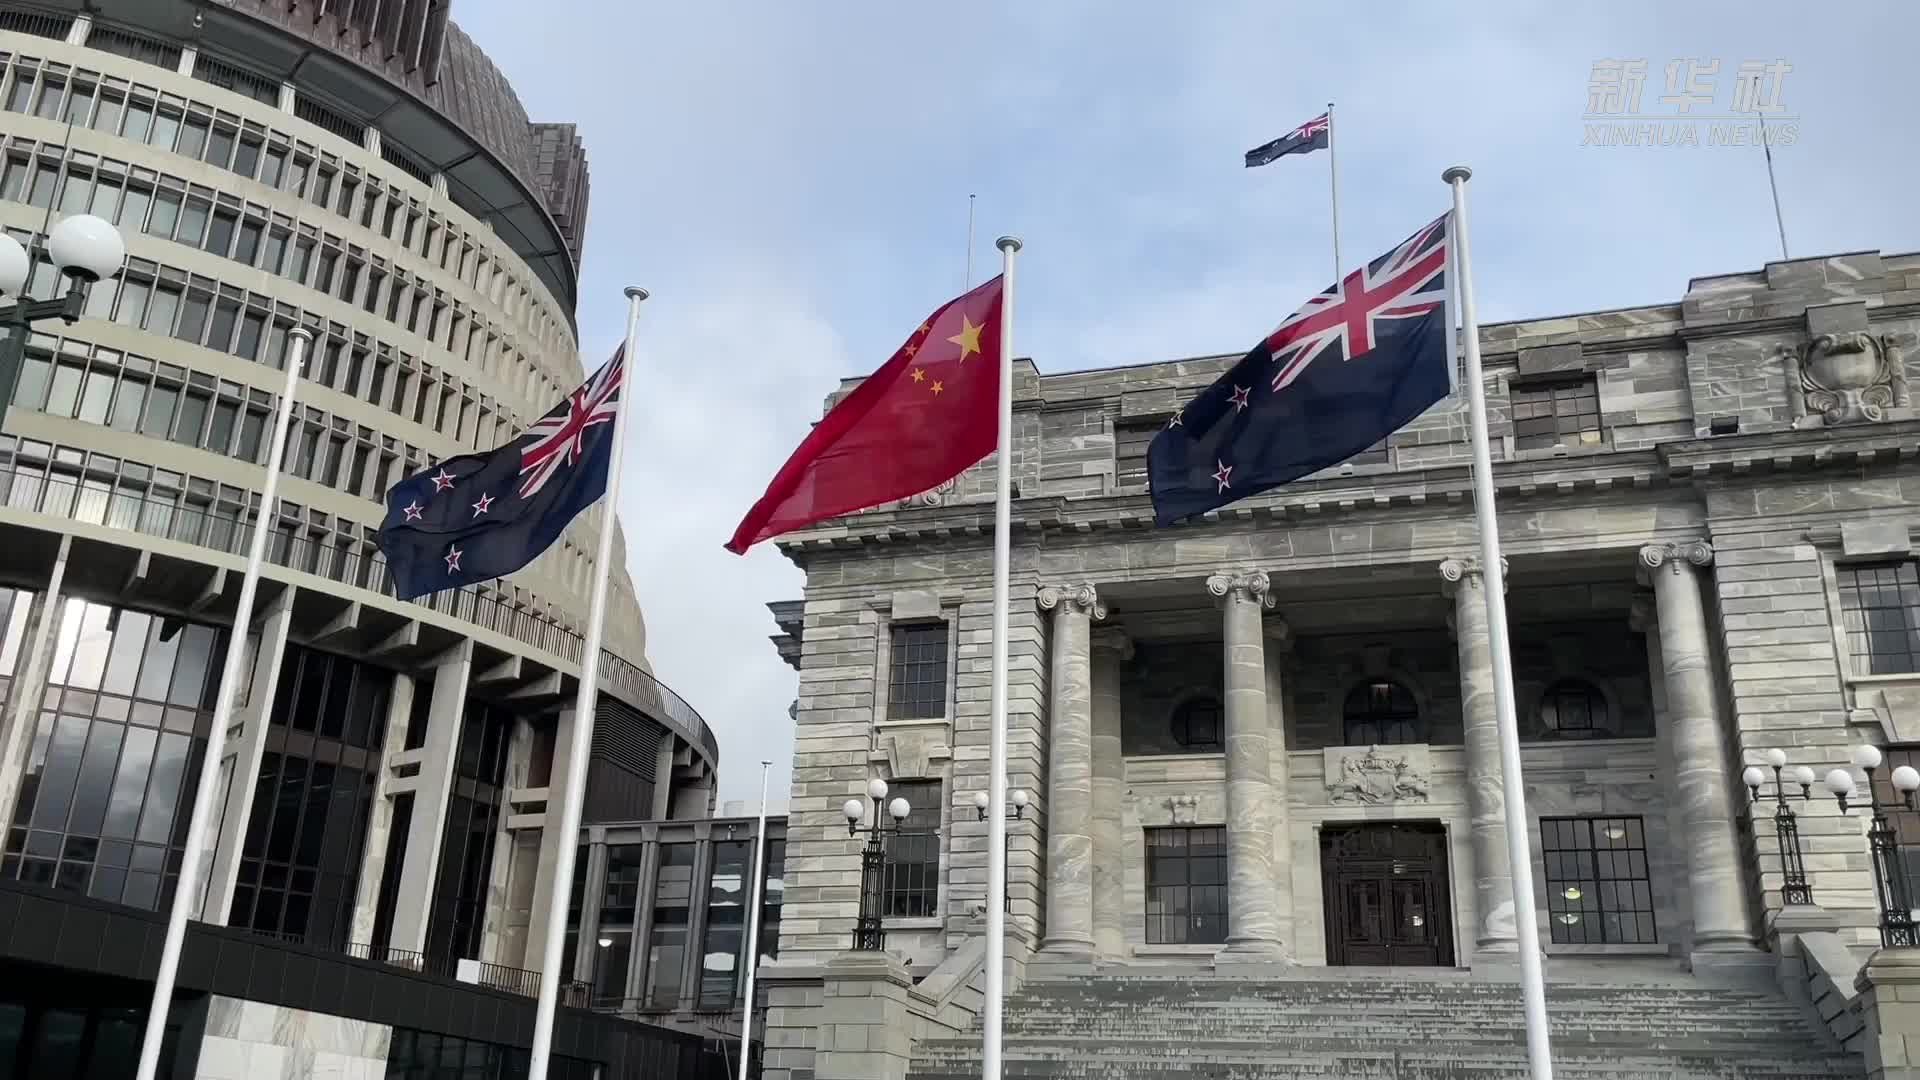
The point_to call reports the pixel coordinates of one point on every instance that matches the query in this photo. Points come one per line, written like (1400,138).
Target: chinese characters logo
(1692,111)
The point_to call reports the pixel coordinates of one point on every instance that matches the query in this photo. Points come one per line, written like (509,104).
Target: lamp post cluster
(86,249)
(1017,810)
(868,934)
(1891,883)
(1786,827)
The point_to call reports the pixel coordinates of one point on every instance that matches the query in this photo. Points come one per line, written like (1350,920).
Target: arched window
(1382,712)
(1574,709)
(1196,724)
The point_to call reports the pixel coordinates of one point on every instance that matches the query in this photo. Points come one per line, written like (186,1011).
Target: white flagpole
(1519,856)
(187,886)
(576,793)
(753,921)
(997,758)
(1333,183)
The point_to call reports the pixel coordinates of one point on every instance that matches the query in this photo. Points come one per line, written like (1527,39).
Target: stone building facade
(1269,734)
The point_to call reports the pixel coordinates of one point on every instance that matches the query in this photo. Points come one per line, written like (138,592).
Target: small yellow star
(924,327)
(919,374)
(912,347)
(968,338)
(937,387)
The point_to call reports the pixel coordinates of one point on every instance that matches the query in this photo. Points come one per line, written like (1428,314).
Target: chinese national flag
(919,421)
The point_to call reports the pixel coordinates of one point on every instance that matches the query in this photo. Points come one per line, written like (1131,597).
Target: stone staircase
(1196,1025)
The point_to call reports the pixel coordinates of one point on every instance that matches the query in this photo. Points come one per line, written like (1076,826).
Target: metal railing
(224,527)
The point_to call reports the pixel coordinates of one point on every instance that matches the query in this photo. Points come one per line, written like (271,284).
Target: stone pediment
(1371,775)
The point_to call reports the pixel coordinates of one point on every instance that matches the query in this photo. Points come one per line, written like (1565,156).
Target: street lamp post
(868,934)
(1786,826)
(1017,810)
(1891,885)
(87,249)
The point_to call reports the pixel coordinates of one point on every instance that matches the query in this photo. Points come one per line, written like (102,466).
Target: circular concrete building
(359,168)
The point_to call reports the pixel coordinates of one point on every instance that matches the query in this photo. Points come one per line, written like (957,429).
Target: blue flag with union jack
(481,516)
(1355,364)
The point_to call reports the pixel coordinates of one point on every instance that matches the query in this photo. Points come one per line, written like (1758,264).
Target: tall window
(1382,712)
(917,686)
(576,900)
(1196,724)
(300,865)
(1574,709)
(667,948)
(1880,603)
(1187,886)
(1561,412)
(619,903)
(1598,890)
(720,963)
(1130,441)
(912,886)
(14,605)
(772,896)
(466,852)
(116,751)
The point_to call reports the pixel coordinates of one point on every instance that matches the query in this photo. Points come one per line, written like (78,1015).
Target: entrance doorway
(1386,894)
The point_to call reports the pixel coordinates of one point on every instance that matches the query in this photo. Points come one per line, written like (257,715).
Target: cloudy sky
(790,181)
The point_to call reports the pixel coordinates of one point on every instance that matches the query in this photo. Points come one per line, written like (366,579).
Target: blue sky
(790,181)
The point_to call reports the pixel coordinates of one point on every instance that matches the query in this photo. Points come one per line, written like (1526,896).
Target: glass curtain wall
(117,748)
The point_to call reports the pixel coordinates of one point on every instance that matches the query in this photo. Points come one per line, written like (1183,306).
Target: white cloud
(791,182)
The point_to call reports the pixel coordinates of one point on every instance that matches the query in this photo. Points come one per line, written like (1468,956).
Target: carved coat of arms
(1375,776)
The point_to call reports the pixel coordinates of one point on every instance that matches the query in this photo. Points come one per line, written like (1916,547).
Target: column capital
(1466,569)
(1252,586)
(1674,553)
(1081,598)
(1114,640)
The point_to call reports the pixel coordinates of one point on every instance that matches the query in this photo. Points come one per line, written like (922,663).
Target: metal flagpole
(186,887)
(968,283)
(753,922)
(1493,570)
(1779,222)
(1333,182)
(996,959)
(575,795)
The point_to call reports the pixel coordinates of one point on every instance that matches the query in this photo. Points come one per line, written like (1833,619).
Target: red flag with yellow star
(922,419)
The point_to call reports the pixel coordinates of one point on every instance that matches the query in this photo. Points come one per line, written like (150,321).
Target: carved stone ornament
(1453,572)
(1851,377)
(1673,555)
(1253,586)
(1377,774)
(1081,598)
(1184,808)
(939,496)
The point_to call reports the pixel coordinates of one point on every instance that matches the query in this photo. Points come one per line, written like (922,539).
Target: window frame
(910,883)
(1186,918)
(1572,837)
(1851,610)
(908,679)
(1527,394)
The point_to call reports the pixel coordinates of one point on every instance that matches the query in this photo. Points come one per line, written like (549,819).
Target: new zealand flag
(481,516)
(1355,364)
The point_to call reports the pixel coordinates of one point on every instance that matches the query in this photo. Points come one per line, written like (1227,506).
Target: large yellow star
(919,375)
(968,338)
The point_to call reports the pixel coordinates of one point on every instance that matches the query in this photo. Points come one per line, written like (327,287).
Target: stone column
(373,857)
(1279,643)
(1699,753)
(1495,929)
(1070,770)
(1111,649)
(1251,925)
(247,743)
(20,714)
(550,838)
(420,865)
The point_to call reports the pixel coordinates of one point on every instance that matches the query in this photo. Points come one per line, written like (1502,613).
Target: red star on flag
(442,480)
(1240,395)
(480,507)
(453,560)
(1222,474)
(413,510)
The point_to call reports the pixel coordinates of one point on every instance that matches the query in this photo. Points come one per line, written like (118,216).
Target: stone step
(1357,1066)
(1739,1039)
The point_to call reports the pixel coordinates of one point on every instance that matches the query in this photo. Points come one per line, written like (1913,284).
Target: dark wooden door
(1386,894)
